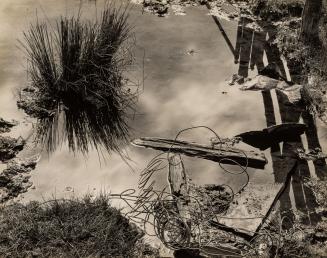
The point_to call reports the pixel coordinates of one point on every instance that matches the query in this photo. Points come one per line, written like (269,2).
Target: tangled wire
(186,222)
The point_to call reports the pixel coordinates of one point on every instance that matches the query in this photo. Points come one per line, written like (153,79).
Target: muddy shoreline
(14,178)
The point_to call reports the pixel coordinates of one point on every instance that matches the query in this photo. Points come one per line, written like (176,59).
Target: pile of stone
(159,7)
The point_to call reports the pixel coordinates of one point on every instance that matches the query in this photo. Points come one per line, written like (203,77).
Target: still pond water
(187,64)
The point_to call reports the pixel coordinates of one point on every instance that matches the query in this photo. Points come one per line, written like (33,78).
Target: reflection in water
(79,77)
(244,41)
(251,46)
(249,52)
(283,162)
(176,88)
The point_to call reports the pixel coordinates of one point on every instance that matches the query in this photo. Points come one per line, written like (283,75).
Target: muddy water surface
(186,65)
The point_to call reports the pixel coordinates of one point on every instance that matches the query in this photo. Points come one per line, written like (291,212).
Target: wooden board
(223,154)
(177,179)
(250,209)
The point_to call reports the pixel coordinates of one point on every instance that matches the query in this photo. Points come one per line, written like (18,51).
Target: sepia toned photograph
(163,128)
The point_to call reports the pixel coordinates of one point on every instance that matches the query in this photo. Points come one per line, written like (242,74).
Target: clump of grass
(67,228)
(274,10)
(77,76)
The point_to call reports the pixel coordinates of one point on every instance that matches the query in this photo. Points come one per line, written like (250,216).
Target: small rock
(260,82)
(191,52)
(5,126)
(9,147)
(236,79)
(29,89)
(291,94)
(69,189)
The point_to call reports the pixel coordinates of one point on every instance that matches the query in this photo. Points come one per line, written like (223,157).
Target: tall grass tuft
(88,227)
(77,76)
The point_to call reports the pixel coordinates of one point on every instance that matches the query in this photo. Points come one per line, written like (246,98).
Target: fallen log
(222,154)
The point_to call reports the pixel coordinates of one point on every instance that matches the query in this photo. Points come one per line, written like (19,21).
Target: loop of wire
(158,212)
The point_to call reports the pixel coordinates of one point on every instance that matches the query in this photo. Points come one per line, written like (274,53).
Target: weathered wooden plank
(250,210)
(177,179)
(222,154)
(177,176)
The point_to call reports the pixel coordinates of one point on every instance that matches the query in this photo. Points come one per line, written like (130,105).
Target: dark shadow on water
(283,159)
(251,46)
(242,52)
(249,53)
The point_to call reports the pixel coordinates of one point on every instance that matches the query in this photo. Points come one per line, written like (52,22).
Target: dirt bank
(14,178)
